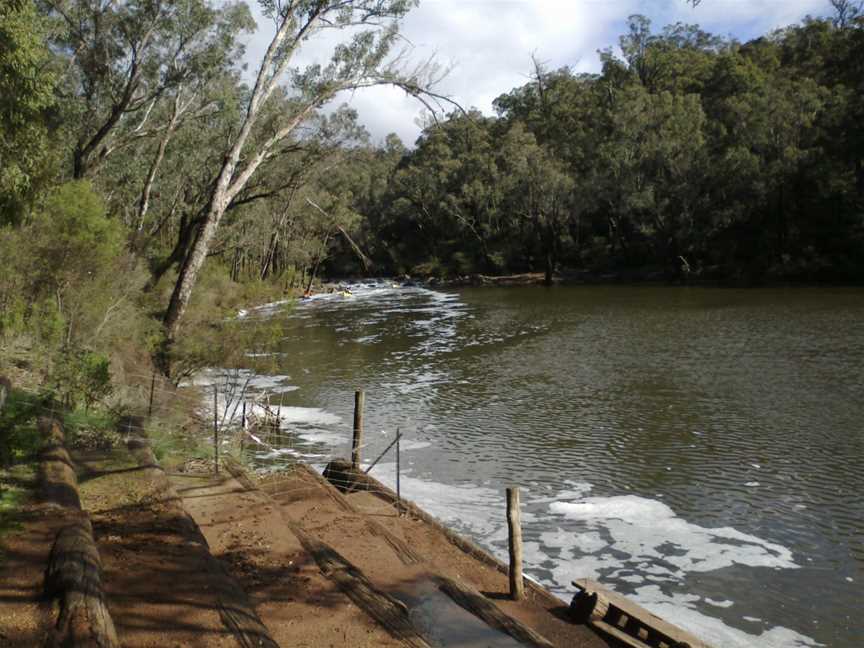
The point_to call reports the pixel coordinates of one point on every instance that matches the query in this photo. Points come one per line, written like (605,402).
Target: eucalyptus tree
(654,171)
(125,56)
(26,102)
(449,196)
(361,60)
(539,193)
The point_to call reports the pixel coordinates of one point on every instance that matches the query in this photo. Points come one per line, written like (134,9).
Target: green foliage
(12,497)
(26,96)
(19,438)
(689,154)
(73,238)
(82,377)
(90,427)
(213,335)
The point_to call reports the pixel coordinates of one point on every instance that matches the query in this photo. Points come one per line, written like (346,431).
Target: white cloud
(489,43)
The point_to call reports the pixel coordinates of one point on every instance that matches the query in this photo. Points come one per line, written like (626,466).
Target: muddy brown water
(700,449)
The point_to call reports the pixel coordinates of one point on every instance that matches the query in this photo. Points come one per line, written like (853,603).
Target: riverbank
(197,558)
(272,528)
(625,276)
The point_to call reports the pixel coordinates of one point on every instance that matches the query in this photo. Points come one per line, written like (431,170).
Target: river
(698,449)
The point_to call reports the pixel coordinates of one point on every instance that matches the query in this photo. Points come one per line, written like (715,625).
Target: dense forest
(688,154)
(149,183)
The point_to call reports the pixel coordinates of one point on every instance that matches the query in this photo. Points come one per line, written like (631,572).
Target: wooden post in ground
(398,489)
(514,528)
(359,398)
(152,386)
(215,432)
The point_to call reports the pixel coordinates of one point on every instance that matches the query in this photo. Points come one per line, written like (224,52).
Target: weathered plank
(406,554)
(235,609)
(74,573)
(247,628)
(478,605)
(626,621)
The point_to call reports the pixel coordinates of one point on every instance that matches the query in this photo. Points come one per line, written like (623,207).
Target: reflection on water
(700,449)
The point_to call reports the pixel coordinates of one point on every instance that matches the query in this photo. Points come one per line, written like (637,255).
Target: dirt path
(161,584)
(297,603)
(203,560)
(24,614)
(248,525)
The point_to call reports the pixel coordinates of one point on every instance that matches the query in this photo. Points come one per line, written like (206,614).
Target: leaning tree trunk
(191,265)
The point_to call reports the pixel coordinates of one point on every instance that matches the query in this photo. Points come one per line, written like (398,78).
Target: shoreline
(335,285)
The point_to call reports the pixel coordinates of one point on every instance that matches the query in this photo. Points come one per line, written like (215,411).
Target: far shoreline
(579,279)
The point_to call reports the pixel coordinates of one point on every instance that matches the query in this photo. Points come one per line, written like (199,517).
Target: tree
(539,191)
(359,62)
(125,57)
(26,98)
(846,11)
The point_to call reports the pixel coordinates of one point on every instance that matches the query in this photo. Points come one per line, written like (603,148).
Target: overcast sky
(488,43)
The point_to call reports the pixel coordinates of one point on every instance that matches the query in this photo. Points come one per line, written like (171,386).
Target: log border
(73,576)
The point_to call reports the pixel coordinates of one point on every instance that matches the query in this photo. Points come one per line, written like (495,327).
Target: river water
(699,449)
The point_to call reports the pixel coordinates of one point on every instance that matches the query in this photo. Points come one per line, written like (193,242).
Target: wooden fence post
(152,386)
(215,431)
(514,528)
(359,398)
(398,486)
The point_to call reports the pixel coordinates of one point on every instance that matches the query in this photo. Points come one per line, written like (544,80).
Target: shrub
(82,376)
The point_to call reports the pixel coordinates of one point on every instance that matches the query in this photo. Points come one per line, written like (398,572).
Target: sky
(487,45)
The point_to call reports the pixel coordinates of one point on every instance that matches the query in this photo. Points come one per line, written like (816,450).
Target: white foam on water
(264,382)
(676,609)
(578,489)
(279,452)
(464,506)
(269,306)
(632,539)
(237,379)
(641,527)
(325,437)
(720,604)
(290,415)
(407,445)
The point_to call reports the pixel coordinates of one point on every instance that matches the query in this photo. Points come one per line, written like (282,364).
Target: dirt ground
(248,526)
(184,555)
(24,615)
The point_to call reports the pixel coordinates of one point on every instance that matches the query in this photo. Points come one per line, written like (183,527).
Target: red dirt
(247,527)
